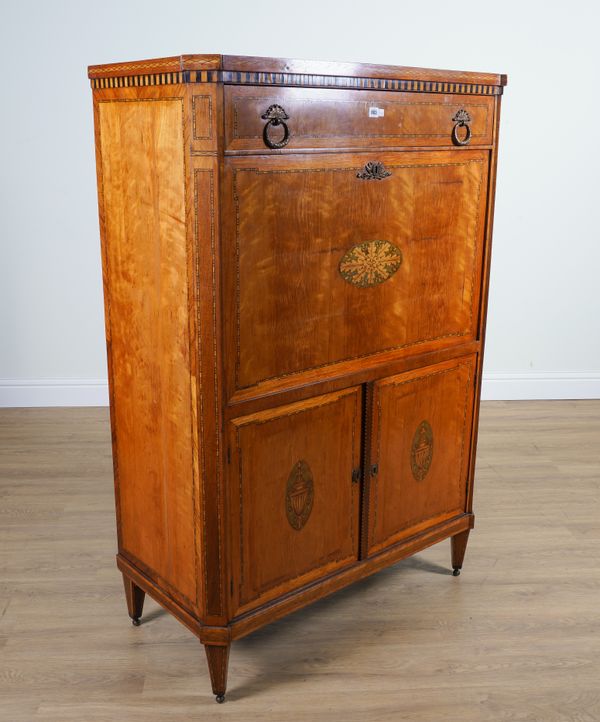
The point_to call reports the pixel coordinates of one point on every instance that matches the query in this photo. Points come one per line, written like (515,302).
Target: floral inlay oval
(370,263)
(299,495)
(421,453)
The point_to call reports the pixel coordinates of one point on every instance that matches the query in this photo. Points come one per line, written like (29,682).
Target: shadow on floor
(279,657)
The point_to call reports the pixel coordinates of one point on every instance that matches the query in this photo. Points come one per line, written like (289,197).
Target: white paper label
(376,112)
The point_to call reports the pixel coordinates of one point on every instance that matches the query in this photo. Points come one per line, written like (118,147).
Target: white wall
(543,330)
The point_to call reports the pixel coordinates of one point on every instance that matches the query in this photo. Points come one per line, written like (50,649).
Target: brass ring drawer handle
(461,120)
(275,116)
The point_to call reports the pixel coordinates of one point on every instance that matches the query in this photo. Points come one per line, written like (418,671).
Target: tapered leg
(459,547)
(135,600)
(218,660)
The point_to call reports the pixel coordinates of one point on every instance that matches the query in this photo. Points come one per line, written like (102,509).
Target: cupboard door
(420,444)
(335,258)
(294,494)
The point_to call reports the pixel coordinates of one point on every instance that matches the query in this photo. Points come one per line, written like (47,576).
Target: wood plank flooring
(515,637)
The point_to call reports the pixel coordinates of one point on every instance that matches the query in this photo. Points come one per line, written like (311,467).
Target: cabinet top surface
(249,64)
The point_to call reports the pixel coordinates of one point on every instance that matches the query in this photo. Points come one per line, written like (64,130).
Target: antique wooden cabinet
(296,259)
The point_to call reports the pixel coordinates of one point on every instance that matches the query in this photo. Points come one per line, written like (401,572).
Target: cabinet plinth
(296,265)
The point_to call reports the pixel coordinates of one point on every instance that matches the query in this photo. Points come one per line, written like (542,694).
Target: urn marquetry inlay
(299,495)
(421,452)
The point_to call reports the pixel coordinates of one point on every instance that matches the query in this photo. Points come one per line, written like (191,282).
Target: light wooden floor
(516,637)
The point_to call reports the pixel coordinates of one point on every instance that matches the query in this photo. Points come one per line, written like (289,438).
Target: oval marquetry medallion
(421,452)
(299,495)
(370,262)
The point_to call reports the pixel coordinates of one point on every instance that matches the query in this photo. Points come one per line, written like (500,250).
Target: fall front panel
(294,486)
(337,258)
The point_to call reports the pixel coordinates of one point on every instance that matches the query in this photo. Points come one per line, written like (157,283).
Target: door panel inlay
(421,452)
(299,495)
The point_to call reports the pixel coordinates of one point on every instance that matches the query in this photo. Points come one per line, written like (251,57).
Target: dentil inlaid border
(234,77)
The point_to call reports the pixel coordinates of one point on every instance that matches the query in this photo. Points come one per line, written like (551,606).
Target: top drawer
(318,118)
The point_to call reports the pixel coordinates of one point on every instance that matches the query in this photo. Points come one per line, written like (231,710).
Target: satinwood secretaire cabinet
(296,258)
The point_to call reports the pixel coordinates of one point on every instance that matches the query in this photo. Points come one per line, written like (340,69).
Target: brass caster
(136,622)
(220,698)
(456,572)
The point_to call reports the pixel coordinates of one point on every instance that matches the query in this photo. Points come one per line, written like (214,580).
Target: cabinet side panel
(142,171)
